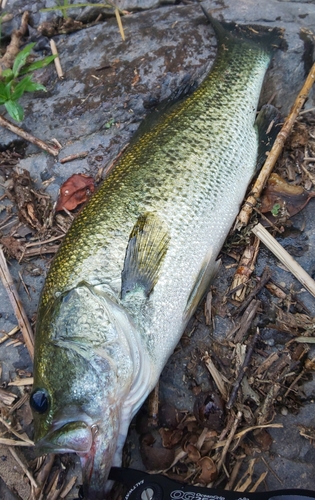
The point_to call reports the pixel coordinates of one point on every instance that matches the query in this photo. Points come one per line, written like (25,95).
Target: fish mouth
(72,437)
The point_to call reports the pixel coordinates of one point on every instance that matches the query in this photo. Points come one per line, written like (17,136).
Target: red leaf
(74,191)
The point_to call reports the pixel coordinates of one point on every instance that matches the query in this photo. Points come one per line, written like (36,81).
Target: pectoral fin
(267,125)
(147,246)
(207,273)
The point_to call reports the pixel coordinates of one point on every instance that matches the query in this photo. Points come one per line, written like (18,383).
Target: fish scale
(139,257)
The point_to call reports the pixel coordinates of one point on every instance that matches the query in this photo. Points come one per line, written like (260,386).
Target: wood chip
(22,381)
(217,376)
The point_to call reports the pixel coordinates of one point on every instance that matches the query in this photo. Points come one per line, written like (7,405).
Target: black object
(143,486)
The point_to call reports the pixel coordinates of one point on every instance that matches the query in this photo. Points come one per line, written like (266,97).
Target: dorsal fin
(146,249)
(207,273)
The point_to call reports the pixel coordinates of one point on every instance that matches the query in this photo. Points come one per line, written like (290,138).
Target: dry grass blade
(120,26)
(17,305)
(229,439)
(259,480)
(235,472)
(244,215)
(286,259)
(6,336)
(23,437)
(68,487)
(247,477)
(308,340)
(13,442)
(242,433)
(42,476)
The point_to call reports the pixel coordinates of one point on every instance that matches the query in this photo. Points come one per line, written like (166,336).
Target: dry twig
(14,46)
(15,300)
(265,277)
(242,370)
(54,51)
(75,156)
(244,270)
(245,213)
(28,137)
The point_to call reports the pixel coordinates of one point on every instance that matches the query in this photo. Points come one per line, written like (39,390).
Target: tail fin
(269,39)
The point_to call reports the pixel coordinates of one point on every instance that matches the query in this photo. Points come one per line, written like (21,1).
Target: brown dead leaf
(24,194)
(170,438)
(208,470)
(279,192)
(13,246)
(210,440)
(263,439)
(193,453)
(74,191)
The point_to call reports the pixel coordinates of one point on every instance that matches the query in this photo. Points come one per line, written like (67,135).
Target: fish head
(84,368)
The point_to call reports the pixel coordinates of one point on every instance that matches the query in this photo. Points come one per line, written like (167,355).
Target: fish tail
(268,39)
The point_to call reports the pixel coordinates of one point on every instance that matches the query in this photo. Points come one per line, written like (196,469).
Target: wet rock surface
(109,86)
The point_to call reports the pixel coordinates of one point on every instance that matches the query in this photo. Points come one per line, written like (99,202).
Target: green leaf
(110,123)
(15,110)
(7,74)
(38,64)
(19,89)
(7,90)
(3,95)
(26,85)
(21,58)
(33,86)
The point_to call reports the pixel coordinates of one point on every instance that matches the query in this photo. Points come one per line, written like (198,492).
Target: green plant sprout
(12,87)
(276,209)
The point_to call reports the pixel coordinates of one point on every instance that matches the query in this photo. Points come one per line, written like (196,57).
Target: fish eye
(39,400)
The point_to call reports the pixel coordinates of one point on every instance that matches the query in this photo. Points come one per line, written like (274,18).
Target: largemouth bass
(138,259)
